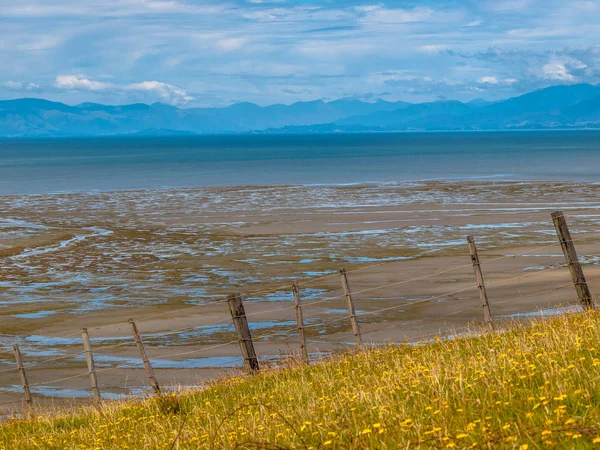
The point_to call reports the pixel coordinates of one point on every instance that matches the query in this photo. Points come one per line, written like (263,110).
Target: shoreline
(487,180)
(279,134)
(168,259)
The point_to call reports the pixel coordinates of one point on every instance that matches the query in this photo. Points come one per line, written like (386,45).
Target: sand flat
(168,258)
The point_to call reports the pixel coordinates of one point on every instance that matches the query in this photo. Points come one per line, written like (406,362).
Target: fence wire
(454,331)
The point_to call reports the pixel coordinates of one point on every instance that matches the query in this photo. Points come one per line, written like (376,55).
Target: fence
(360,326)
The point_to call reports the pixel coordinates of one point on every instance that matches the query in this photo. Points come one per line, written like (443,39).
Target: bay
(38,166)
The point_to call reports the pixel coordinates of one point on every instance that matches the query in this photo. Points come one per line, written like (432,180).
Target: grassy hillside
(532,387)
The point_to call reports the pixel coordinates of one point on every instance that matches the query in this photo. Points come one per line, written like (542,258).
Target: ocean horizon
(40,166)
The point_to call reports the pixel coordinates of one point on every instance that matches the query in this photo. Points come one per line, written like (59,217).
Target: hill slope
(532,387)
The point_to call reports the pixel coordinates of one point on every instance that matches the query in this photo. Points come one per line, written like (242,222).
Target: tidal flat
(168,258)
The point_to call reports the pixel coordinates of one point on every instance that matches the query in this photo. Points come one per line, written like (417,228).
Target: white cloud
(540,32)
(114,8)
(509,6)
(251,67)
(165,92)
(331,51)
(367,8)
(587,6)
(39,43)
(394,76)
(75,82)
(256,50)
(230,44)
(266,15)
(495,81)
(557,71)
(16,85)
(383,15)
(162,91)
(19,86)
(561,69)
(488,80)
(433,48)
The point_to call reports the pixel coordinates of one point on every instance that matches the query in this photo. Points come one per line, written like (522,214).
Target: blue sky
(197,53)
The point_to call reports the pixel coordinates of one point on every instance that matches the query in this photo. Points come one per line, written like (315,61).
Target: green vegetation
(534,386)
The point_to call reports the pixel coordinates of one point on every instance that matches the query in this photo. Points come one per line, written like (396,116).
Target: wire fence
(372,326)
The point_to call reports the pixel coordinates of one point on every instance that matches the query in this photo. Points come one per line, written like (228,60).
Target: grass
(535,386)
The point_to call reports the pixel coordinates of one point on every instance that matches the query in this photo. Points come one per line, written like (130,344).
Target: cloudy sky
(212,53)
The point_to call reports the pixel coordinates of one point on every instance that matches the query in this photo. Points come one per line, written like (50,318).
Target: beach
(169,257)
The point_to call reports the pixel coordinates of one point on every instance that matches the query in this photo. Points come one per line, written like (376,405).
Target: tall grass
(534,386)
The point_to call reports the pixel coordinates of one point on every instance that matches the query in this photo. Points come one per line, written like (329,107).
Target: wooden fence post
(146,361)
(238,314)
(22,374)
(568,248)
(90,363)
(350,305)
(485,304)
(300,321)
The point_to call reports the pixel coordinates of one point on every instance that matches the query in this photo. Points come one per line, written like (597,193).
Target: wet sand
(169,258)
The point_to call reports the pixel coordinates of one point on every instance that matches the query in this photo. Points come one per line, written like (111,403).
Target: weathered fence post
(146,361)
(22,374)
(238,314)
(300,321)
(485,304)
(568,248)
(90,363)
(350,305)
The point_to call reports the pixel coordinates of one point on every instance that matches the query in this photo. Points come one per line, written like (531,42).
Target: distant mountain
(554,107)
(575,106)
(437,114)
(36,117)
(586,111)
(477,102)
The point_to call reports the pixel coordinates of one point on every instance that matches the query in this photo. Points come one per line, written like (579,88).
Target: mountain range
(565,106)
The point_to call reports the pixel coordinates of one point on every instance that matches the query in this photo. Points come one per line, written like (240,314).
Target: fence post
(238,314)
(300,321)
(22,374)
(568,248)
(485,304)
(146,361)
(90,363)
(350,305)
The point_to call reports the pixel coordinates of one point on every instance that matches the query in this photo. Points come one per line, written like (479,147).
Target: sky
(215,53)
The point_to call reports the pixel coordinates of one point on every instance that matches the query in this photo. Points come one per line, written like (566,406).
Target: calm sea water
(57,165)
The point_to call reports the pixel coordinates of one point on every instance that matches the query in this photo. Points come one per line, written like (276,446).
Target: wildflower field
(534,386)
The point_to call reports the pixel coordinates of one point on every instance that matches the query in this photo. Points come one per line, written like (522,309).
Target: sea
(40,166)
